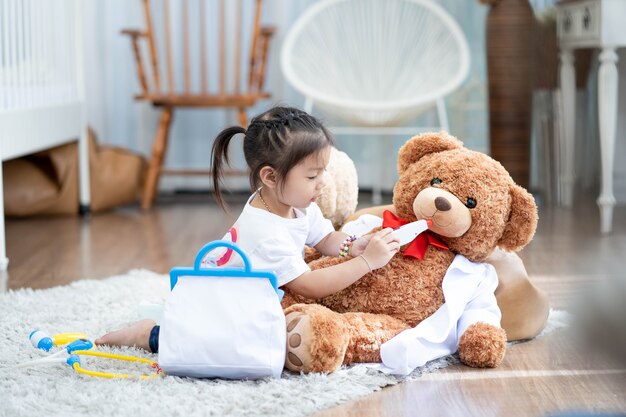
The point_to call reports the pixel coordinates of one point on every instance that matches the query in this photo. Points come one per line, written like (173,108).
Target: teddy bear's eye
(435,181)
(471,203)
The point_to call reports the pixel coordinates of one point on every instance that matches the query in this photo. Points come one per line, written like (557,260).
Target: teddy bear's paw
(317,338)
(299,335)
(482,345)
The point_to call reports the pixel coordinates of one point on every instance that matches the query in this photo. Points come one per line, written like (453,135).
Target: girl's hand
(380,249)
(359,245)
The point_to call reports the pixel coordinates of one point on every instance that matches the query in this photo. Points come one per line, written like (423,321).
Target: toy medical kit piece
(223,322)
(41,340)
(61,339)
(246,272)
(74,362)
(61,355)
(410,231)
(81,347)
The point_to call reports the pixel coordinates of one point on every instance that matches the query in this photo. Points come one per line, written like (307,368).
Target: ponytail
(219,154)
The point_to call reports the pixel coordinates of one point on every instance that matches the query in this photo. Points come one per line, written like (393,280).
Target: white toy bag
(221,322)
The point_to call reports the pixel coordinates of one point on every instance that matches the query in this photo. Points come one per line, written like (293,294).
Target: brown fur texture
(482,346)
(440,180)
(311,254)
(326,353)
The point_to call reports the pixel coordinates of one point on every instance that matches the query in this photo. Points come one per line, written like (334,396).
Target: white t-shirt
(272,242)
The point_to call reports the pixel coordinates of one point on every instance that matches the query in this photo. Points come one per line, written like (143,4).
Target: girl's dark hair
(280,138)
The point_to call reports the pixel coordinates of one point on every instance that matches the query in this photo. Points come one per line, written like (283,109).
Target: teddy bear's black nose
(442,204)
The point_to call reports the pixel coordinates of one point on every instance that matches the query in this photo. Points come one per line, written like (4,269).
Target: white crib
(42,94)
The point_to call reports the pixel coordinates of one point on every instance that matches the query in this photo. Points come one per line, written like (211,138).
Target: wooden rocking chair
(229,93)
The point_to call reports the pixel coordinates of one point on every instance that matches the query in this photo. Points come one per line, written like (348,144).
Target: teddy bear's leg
(321,340)
(367,333)
(482,345)
(524,307)
(317,338)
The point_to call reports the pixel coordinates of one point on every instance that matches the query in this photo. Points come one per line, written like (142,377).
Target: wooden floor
(552,373)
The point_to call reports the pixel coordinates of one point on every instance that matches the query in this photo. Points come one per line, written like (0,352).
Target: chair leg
(159,147)
(243,119)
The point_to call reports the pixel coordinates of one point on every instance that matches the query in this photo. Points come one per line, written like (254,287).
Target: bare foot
(137,334)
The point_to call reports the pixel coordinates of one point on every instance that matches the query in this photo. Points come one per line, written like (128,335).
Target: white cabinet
(598,24)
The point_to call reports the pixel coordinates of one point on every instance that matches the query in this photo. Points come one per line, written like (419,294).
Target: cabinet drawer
(579,23)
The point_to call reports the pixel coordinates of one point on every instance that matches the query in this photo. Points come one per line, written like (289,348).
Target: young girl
(287,152)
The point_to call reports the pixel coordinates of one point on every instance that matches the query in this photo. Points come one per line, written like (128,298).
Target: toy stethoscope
(81,347)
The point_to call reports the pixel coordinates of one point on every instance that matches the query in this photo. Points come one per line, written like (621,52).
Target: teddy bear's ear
(426,143)
(522,222)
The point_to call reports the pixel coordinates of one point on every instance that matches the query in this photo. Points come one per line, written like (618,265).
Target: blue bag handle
(221,243)
(222,272)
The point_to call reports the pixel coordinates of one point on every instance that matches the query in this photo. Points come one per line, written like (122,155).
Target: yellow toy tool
(81,347)
(62,339)
(74,362)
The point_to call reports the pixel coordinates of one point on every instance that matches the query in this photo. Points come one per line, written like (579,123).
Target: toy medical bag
(221,322)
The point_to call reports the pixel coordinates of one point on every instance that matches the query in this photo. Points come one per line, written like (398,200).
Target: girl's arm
(324,282)
(329,245)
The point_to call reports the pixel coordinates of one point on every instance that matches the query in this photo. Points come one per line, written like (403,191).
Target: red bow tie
(417,248)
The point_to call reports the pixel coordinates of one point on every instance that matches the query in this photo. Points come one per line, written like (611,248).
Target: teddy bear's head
(471,199)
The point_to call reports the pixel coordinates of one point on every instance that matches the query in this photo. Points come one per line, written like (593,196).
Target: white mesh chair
(376,63)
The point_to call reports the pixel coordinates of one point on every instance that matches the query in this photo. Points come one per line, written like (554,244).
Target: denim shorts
(153,341)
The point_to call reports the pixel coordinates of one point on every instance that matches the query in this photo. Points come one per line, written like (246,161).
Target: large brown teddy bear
(475,207)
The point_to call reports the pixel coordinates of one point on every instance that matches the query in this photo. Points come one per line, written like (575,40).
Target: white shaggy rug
(95,307)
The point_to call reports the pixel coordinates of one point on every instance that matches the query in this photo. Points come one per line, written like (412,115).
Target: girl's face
(304,182)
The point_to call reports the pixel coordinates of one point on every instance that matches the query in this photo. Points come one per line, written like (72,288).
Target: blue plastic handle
(220,243)
(223,272)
